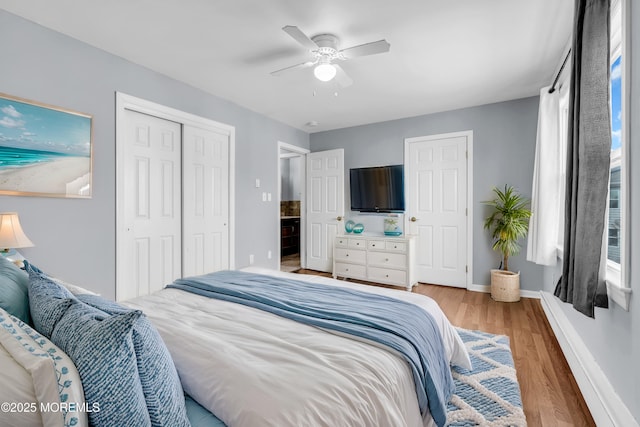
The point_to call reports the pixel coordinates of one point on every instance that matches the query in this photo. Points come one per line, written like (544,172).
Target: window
(613,237)
(616,218)
(614,191)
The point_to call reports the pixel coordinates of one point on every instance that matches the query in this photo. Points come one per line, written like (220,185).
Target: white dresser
(378,259)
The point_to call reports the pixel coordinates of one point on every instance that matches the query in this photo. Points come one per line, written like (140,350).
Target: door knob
(413,219)
(339,218)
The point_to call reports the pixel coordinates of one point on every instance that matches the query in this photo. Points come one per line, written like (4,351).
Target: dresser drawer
(342,242)
(350,270)
(358,243)
(396,246)
(387,275)
(350,255)
(376,245)
(388,259)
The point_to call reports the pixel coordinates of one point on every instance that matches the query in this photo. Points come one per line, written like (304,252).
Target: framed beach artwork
(44,150)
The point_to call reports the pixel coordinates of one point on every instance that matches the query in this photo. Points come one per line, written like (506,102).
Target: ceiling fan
(324,48)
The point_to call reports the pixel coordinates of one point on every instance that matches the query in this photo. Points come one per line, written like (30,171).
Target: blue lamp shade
(11,234)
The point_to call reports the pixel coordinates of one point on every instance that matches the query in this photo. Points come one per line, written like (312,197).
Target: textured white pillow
(41,377)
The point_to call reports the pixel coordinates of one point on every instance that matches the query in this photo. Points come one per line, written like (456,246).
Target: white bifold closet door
(173,218)
(152,243)
(205,201)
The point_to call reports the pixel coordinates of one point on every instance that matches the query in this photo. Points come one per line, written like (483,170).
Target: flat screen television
(377,189)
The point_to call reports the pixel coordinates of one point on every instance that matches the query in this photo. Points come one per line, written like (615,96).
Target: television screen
(377,189)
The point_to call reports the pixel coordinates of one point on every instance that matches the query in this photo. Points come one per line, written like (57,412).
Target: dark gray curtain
(588,158)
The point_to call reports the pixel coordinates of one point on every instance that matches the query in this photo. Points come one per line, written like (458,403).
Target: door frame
(293,151)
(128,102)
(469,135)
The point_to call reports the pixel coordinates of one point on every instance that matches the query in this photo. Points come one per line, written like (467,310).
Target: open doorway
(291,171)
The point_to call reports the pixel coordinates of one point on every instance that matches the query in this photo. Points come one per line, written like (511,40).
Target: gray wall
(291,185)
(75,238)
(613,337)
(504,137)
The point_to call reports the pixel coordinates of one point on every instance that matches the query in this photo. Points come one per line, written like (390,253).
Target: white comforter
(252,368)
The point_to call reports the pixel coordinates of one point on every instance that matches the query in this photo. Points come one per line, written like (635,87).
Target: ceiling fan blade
(342,77)
(300,37)
(372,48)
(292,68)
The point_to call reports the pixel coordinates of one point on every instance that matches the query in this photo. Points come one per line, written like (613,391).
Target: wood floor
(550,395)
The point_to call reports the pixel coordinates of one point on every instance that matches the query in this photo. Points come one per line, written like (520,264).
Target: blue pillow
(48,300)
(14,294)
(101,347)
(158,376)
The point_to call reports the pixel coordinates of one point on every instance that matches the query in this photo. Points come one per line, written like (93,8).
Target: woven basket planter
(505,286)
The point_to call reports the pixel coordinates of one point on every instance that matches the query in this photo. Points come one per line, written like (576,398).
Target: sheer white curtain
(548,180)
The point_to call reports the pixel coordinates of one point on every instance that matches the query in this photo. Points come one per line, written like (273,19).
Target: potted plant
(507,223)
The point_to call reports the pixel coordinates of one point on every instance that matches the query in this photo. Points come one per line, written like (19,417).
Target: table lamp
(12,237)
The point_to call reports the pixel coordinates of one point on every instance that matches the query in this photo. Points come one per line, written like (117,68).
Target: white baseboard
(605,405)
(487,290)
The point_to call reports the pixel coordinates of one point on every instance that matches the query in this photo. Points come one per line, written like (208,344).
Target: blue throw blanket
(399,325)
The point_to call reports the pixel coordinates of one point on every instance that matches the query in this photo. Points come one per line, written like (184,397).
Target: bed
(241,366)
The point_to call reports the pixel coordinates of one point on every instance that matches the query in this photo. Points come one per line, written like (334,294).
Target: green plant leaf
(508,221)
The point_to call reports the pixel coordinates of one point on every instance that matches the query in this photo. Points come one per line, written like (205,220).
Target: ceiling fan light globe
(325,72)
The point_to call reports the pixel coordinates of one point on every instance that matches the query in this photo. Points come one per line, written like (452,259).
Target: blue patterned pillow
(48,300)
(158,376)
(101,347)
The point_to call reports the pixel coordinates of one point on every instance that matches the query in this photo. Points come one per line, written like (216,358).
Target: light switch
(257,182)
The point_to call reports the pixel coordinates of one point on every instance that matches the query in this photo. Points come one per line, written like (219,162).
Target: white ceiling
(444,54)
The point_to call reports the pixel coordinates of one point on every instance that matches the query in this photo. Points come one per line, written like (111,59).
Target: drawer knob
(346,269)
(374,245)
(386,259)
(386,275)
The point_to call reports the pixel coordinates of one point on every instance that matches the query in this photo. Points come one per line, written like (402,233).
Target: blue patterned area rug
(488,395)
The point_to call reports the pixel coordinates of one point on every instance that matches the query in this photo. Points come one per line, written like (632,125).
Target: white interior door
(205,201)
(152,205)
(325,206)
(436,174)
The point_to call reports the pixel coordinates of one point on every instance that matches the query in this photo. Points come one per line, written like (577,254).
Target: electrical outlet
(264,196)
(269,197)
(251,259)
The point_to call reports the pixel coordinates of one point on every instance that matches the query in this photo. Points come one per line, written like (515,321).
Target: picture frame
(44,150)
